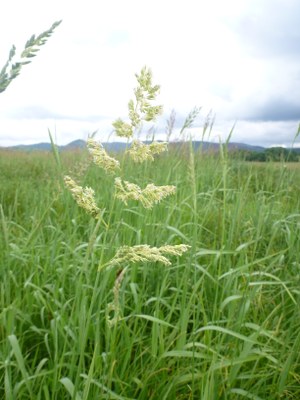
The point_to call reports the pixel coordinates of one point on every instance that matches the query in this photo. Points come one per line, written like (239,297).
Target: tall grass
(221,323)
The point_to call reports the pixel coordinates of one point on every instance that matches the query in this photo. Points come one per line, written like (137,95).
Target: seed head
(140,152)
(84,197)
(100,156)
(176,250)
(144,253)
(148,197)
(158,147)
(123,129)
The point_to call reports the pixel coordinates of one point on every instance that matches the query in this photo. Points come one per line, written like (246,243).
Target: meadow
(221,322)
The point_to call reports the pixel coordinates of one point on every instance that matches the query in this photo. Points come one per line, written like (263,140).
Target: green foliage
(222,323)
(276,154)
(281,154)
(11,68)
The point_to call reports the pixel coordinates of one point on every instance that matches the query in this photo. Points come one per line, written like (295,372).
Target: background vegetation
(272,154)
(221,323)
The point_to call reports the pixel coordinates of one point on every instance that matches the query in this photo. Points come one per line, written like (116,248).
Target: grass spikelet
(144,253)
(176,250)
(140,152)
(101,158)
(84,197)
(123,129)
(158,147)
(148,197)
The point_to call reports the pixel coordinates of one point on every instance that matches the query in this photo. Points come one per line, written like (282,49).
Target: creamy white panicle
(140,152)
(123,129)
(148,197)
(84,197)
(140,108)
(145,253)
(101,158)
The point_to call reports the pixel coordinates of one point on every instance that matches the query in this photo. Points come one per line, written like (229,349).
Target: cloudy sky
(238,58)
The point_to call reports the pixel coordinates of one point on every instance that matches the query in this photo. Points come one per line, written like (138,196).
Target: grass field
(222,322)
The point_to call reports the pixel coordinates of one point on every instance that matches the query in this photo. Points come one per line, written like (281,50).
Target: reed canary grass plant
(141,109)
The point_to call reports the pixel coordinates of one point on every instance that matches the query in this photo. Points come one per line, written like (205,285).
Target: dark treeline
(272,154)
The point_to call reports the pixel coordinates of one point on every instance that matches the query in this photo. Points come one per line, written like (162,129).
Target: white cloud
(222,55)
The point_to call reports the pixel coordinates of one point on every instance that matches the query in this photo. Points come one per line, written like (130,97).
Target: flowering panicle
(158,147)
(144,94)
(123,129)
(144,253)
(101,158)
(175,250)
(84,197)
(148,197)
(140,152)
(140,109)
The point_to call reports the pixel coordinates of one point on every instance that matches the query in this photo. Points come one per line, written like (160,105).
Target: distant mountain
(30,147)
(76,144)
(119,146)
(231,146)
(244,146)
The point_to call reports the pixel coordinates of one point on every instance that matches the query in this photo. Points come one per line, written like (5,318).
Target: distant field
(221,323)
(289,165)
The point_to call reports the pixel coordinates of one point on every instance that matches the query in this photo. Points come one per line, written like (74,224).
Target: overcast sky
(240,58)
